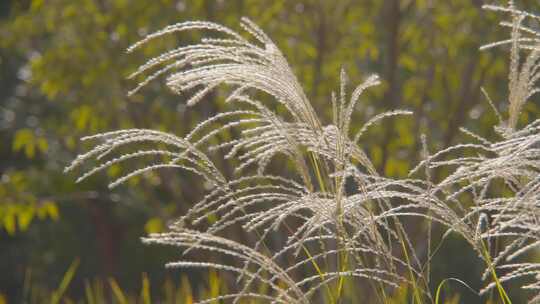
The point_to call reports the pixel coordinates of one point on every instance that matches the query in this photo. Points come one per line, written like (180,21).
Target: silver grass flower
(492,193)
(361,229)
(495,186)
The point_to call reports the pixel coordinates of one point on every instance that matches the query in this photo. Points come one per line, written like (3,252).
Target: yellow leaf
(10,223)
(168,289)
(42,144)
(3,299)
(376,155)
(454,300)
(70,142)
(154,225)
(48,209)
(82,117)
(185,288)
(24,140)
(89,293)
(48,87)
(214,283)
(30,150)
(120,297)
(52,210)
(114,170)
(24,218)
(396,167)
(212,218)
(145,291)
(69,11)
(66,280)
(42,213)
(36,5)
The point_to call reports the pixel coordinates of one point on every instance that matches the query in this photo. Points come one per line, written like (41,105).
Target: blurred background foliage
(63,73)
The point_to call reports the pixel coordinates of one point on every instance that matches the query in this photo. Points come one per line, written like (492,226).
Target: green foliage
(62,76)
(25,140)
(66,280)
(19,205)
(109,291)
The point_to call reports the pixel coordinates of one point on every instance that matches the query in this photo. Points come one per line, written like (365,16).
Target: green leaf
(66,280)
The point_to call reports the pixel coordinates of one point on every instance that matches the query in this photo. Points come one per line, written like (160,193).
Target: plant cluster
(330,218)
